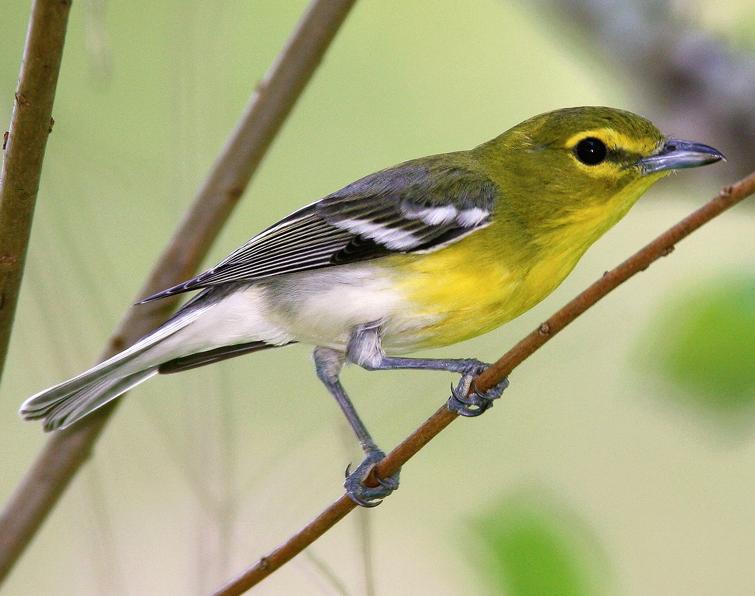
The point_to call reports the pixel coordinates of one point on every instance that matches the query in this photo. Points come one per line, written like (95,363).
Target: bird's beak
(677,154)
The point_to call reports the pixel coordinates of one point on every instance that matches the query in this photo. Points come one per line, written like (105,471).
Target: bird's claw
(473,403)
(359,492)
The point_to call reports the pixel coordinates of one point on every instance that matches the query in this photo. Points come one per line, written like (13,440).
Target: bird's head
(585,165)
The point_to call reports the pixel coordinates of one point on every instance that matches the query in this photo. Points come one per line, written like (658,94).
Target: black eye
(591,151)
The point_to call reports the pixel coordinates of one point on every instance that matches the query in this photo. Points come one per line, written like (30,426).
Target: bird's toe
(369,496)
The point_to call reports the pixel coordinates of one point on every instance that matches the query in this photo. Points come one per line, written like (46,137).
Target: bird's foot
(359,492)
(473,403)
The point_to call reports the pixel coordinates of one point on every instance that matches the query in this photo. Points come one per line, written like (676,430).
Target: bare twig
(326,572)
(66,451)
(661,246)
(25,149)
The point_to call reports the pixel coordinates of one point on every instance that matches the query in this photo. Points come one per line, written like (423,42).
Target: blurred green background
(619,462)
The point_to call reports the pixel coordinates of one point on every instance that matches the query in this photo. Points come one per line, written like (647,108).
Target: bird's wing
(416,206)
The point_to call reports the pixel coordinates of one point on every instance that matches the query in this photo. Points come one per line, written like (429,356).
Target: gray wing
(417,206)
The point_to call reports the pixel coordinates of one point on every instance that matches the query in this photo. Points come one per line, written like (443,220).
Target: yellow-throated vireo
(426,253)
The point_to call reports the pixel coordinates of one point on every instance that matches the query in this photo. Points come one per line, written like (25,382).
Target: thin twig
(326,572)
(67,450)
(24,147)
(660,247)
(367,535)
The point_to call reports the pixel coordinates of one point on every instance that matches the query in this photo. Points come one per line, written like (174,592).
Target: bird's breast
(421,300)
(473,287)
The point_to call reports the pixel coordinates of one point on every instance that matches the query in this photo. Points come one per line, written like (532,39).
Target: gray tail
(64,404)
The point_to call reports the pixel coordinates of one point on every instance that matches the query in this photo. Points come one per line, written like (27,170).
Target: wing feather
(418,206)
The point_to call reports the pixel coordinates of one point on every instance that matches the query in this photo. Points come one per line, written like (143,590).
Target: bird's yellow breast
(495,274)
(465,292)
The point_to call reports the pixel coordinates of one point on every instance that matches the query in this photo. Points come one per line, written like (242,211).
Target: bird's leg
(365,350)
(328,363)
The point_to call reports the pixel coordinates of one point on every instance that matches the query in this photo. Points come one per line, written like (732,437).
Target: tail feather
(72,407)
(64,404)
(39,404)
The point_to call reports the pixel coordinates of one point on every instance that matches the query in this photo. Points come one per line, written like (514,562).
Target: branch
(660,247)
(67,450)
(25,144)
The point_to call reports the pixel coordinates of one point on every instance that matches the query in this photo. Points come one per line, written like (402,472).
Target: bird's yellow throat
(491,277)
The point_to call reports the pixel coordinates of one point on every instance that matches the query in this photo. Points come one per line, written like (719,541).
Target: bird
(423,254)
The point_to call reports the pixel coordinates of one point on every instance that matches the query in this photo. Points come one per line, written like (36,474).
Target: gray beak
(677,154)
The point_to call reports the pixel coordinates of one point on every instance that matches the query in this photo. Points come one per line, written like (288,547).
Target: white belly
(315,307)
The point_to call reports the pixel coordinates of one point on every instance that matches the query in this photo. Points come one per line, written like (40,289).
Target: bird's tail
(62,405)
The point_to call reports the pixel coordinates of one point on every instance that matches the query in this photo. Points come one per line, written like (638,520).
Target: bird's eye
(591,151)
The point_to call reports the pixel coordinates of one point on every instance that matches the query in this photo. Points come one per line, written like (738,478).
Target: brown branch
(67,450)
(660,247)
(24,146)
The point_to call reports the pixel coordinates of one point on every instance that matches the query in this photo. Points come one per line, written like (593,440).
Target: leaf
(535,547)
(705,343)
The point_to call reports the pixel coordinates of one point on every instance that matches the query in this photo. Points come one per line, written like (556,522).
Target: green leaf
(705,343)
(534,547)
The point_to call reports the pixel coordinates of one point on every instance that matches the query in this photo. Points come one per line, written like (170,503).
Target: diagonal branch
(641,260)
(274,98)
(24,148)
